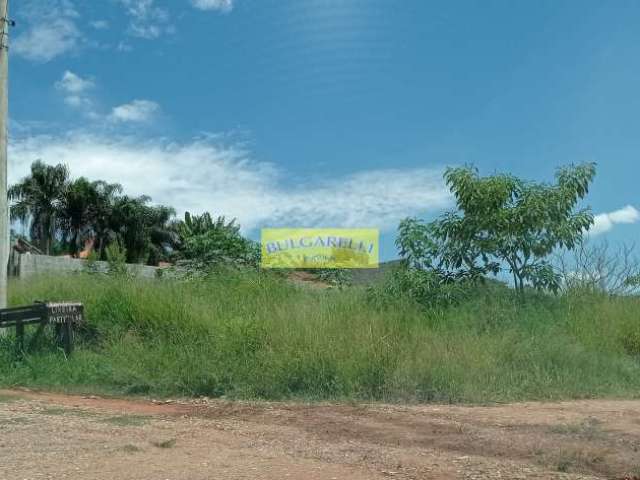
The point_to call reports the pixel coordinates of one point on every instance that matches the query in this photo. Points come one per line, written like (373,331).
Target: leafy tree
(204,242)
(140,227)
(193,225)
(162,239)
(501,222)
(38,200)
(77,213)
(63,214)
(85,213)
(102,211)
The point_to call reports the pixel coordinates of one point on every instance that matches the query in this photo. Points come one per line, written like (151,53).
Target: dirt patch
(58,436)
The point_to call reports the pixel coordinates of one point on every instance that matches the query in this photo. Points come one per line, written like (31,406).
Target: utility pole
(4,113)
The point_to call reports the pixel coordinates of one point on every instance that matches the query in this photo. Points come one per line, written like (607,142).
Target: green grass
(126,420)
(255,336)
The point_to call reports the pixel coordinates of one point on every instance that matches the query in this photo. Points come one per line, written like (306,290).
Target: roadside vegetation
(255,335)
(82,217)
(440,326)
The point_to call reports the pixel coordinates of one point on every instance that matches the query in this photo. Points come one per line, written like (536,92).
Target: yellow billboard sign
(320,247)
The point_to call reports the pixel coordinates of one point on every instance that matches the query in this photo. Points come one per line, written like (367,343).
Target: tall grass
(257,336)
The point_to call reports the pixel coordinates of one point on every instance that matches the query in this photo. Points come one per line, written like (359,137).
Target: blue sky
(328,112)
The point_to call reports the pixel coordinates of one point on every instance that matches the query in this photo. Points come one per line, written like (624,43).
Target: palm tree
(142,228)
(162,239)
(77,213)
(102,211)
(38,199)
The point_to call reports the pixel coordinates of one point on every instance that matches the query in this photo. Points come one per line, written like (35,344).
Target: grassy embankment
(257,336)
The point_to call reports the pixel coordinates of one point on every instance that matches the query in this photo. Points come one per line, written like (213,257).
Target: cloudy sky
(328,112)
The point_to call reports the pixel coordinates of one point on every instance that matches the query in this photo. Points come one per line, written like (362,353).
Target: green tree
(198,224)
(141,228)
(162,238)
(38,200)
(102,211)
(77,213)
(501,222)
(205,242)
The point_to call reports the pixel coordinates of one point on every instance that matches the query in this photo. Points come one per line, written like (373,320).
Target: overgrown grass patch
(255,336)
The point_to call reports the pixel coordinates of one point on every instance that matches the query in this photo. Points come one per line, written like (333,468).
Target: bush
(430,290)
(116,258)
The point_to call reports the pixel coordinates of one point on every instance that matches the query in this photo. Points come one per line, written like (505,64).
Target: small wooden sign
(65,312)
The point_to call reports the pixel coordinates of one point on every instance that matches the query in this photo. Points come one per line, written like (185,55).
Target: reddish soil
(55,436)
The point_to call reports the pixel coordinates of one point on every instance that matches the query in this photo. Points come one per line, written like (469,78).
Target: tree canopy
(39,198)
(205,242)
(62,215)
(501,223)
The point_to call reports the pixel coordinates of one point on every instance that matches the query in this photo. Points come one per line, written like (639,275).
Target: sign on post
(59,313)
(62,315)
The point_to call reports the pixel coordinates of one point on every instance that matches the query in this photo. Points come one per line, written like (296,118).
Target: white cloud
(220,5)
(135,111)
(99,24)
(123,47)
(205,175)
(77,94)
(147,20)
(76,91)
(74,84)
(52,31)
(604,222)
(78,101)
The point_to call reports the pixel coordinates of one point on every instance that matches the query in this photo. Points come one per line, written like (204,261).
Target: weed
(126,420)
(129,448)
(165,443)
(588,429)
(579,460)
(54,411)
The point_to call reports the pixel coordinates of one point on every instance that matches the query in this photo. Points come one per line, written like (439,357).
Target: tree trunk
(73,248)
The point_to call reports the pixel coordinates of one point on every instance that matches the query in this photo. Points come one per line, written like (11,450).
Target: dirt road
(49,436)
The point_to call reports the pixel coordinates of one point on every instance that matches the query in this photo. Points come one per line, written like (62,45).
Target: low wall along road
(25,265)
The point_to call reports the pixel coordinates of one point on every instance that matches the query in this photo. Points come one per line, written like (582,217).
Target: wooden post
(19,336)
(67,336)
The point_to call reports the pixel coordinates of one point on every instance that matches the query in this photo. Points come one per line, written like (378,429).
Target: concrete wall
(24,265)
